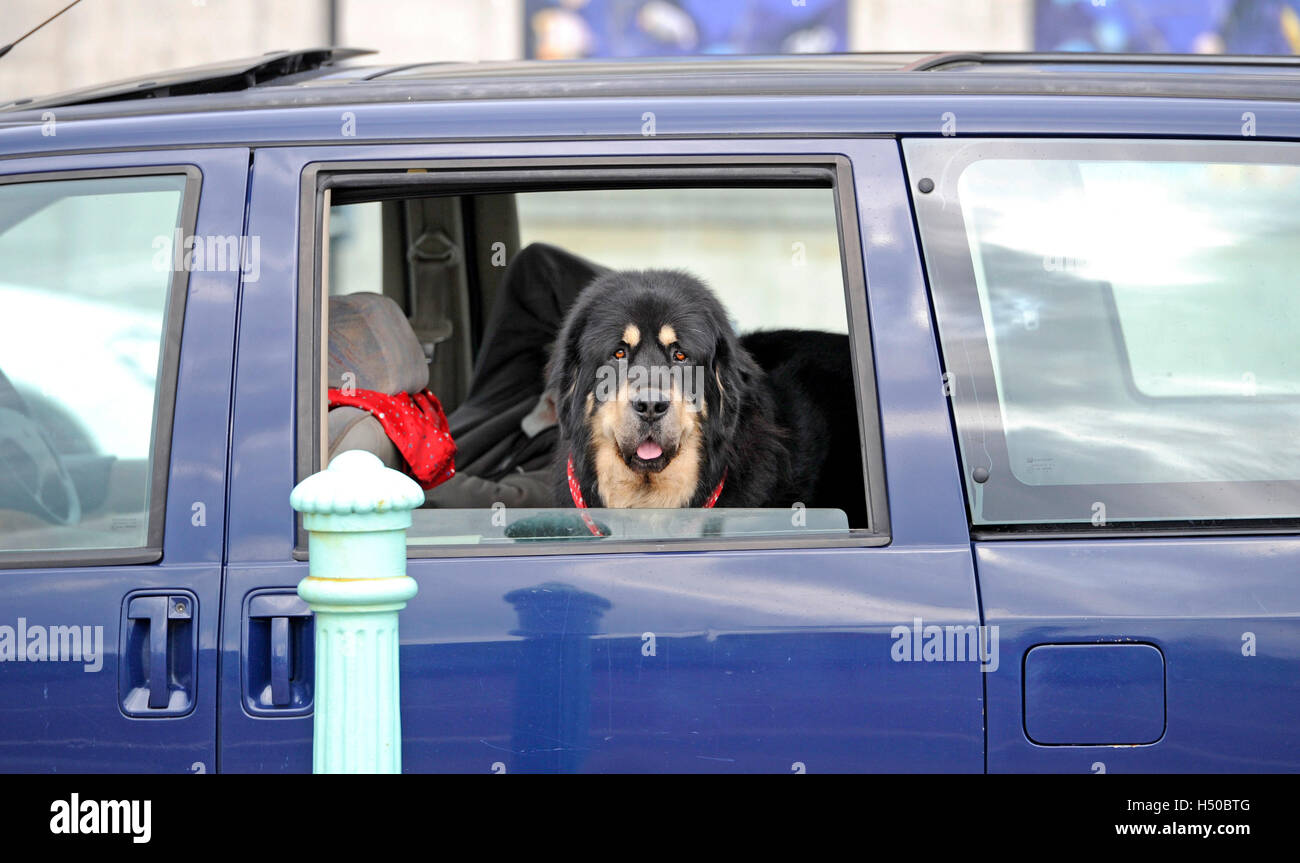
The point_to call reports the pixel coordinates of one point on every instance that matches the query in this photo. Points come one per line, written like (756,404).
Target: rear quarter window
(1118,324)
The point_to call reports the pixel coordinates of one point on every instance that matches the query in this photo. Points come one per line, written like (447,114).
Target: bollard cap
(356,483)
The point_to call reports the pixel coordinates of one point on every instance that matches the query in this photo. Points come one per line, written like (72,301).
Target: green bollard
(356,513)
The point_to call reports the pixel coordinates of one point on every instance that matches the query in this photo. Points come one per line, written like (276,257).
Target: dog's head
(649,375)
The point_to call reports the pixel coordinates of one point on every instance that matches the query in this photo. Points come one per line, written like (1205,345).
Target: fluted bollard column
(356,513)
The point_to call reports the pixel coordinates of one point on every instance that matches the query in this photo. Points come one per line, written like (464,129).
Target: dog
(660,404)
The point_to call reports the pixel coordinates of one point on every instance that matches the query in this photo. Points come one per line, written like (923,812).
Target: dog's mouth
(648,457)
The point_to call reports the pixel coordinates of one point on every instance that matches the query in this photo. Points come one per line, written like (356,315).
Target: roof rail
(213,78)
(986,58)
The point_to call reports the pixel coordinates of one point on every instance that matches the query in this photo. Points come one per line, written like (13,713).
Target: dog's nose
(650,405)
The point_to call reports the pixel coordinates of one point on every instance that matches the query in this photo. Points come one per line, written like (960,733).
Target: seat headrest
(371,338)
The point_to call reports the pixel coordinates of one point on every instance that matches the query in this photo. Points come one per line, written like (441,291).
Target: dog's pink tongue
(649,450)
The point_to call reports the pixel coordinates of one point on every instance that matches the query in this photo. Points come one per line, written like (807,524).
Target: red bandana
(576,493)
(415,424)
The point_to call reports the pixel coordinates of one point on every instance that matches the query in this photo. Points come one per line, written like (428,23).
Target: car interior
(419,311)
(412,284)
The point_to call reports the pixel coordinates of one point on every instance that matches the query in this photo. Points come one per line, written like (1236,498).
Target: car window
(773,257)
(1118,322)
(86,267)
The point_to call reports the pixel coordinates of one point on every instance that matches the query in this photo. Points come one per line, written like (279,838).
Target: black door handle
(159,655)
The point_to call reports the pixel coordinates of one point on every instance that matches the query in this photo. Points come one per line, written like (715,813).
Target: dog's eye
(680,356)
(620,354)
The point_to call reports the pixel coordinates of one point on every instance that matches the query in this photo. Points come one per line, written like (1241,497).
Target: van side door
(789,652)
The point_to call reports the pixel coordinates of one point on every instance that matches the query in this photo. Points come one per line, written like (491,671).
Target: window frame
(172,322)
(409,177)
(949,271)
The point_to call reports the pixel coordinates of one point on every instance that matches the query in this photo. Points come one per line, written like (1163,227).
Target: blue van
(1068,286)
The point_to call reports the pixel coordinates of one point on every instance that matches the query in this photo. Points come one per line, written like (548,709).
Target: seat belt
(438,279)
(432,257)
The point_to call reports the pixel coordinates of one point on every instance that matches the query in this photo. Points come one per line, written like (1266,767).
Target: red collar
(575,491)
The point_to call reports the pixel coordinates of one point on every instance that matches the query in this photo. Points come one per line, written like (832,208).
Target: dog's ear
(564,367)
(733,374)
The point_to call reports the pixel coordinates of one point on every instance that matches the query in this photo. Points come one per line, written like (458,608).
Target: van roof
(314,77)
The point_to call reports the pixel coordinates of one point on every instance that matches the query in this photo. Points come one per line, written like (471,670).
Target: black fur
(783,425)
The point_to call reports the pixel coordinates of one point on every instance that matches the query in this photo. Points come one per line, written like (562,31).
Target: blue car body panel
(1222,611)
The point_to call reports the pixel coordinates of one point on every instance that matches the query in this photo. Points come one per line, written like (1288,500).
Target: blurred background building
(103,40)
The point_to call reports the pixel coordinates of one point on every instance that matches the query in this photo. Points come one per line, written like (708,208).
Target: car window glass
(85,272)
(1138,316)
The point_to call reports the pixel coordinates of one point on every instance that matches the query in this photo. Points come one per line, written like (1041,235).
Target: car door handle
(159,611)
(159,655)
(282,620)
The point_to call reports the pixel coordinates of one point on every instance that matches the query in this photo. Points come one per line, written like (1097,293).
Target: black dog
(660,404)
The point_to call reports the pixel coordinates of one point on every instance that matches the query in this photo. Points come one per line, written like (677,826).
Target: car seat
(371,347)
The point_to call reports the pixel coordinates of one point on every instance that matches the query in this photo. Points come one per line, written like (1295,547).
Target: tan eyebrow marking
(631,335)
(667,335)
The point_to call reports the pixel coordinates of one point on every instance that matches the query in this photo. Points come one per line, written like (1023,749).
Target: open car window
(485,282)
